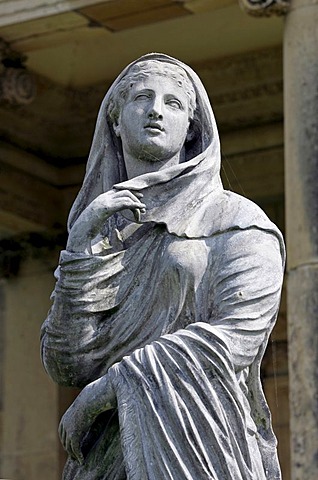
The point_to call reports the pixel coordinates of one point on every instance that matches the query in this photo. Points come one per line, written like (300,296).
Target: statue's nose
(155,111)
(154,115)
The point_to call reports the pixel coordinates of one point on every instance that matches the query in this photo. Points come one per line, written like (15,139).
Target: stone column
(301,187)
(301,193)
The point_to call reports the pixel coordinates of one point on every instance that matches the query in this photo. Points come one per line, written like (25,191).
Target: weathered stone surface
(303,360)
(301,97)
(166,295)
(301,167)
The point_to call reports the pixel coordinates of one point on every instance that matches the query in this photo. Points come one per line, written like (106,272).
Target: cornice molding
(16,11)
(265,8)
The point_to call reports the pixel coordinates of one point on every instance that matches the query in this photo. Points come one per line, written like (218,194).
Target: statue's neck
(136,166)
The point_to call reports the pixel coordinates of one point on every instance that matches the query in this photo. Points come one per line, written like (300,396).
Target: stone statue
(165,297)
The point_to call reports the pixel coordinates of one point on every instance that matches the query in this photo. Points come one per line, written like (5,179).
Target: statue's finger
(137,214)
(138,194)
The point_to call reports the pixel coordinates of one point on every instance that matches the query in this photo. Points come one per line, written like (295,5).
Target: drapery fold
(177,316)
(196,418)
(194,388)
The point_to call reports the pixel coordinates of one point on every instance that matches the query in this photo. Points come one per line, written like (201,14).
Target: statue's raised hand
(93,217)
(94,399)
(115,200)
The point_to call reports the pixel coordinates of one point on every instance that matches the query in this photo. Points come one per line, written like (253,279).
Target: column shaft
(301,173)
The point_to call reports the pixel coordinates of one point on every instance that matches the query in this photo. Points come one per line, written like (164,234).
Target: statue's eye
(174,103)
(142,96)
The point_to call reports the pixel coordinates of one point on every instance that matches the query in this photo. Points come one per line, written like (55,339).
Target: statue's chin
(158,154)
(153,152)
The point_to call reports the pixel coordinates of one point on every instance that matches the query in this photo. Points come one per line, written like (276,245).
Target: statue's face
(154,119)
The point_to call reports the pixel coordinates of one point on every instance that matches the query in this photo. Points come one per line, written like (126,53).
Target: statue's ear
(190,134)
(193,131)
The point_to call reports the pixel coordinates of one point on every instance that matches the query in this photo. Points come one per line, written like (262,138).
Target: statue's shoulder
(242,208)
(233,211)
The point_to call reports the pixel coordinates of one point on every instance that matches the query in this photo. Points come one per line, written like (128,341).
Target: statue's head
(146,69)
(151,109)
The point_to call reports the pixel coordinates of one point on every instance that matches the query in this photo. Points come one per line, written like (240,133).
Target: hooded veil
(178,319)
(105,165)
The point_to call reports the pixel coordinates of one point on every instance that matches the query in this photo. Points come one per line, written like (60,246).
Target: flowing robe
(180,326)
(178,316)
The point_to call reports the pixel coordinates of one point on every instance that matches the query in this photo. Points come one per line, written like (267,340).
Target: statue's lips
(154,127)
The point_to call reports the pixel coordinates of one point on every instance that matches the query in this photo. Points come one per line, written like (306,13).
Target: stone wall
(29,399)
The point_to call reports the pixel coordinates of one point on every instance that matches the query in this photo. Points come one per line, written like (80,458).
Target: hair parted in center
(145,69)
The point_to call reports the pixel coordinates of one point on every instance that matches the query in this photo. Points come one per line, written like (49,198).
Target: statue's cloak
(177,313)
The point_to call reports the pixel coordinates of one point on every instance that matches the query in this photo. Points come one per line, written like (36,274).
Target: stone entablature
(14,12)
(64,118)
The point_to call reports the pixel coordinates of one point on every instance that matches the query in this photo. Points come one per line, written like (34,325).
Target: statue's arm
(95,398)
(67,332)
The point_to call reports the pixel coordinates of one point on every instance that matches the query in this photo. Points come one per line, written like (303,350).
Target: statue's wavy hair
(145,69)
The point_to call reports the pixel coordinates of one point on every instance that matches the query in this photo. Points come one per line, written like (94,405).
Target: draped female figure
(165,297)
